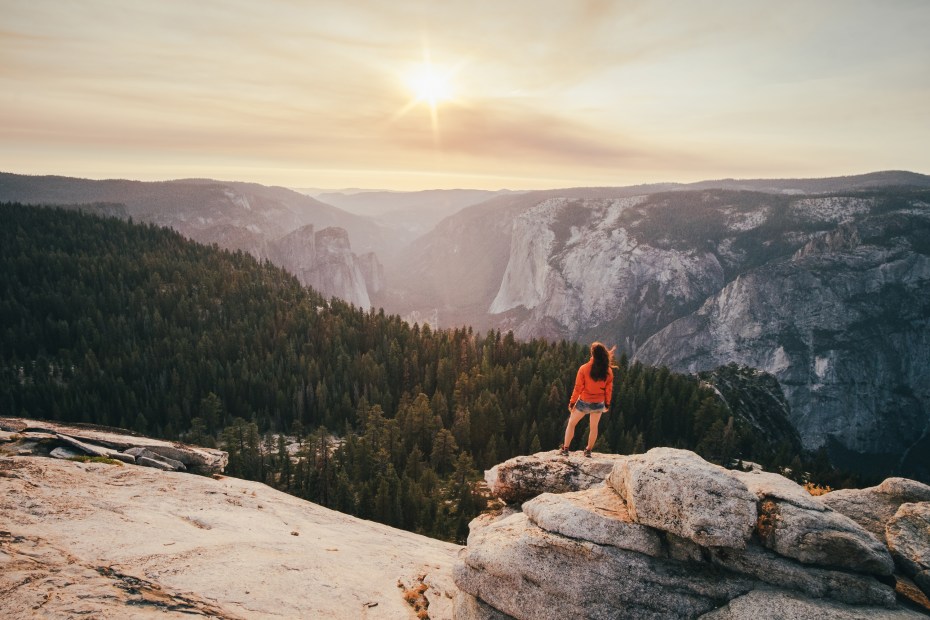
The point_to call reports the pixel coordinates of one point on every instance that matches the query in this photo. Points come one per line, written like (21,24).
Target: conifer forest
(113,323)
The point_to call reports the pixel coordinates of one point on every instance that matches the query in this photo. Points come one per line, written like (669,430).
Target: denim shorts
(586,407)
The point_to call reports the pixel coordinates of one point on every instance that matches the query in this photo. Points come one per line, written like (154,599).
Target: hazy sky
(526,94)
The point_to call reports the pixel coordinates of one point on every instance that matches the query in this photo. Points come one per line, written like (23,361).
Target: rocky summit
(668,535)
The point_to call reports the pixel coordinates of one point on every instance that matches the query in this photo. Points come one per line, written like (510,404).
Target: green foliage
(127,325)
(83,458)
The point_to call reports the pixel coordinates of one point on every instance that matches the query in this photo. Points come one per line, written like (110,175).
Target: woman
(593,387)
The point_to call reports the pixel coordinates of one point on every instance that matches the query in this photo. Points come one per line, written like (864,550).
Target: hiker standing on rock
(593,387)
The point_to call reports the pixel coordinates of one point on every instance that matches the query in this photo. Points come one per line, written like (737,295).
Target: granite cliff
(843,324)
(324,260)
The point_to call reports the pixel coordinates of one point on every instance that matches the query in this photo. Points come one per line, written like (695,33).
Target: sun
(430,84)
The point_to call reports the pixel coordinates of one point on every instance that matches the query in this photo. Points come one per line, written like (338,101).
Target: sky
(486,94)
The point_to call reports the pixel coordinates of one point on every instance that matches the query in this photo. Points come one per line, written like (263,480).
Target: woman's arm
(579,386)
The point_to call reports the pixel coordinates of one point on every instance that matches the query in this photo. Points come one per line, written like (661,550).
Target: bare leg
(592,432)
(573,420)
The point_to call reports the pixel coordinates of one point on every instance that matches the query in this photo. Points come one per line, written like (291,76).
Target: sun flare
(430,84)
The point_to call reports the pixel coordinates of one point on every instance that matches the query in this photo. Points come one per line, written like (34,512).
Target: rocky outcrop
(336,271)
(523,477)
(668,535)
(677,491)
(796,525)
(41,437)
(908,535)
(296,252)
(873,508)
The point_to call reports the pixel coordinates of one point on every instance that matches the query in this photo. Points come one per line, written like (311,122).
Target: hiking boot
(587,452)
(563,450)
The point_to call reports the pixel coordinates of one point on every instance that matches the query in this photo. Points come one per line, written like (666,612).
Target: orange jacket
(589,390)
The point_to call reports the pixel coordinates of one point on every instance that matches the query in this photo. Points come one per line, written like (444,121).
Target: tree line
(131,325)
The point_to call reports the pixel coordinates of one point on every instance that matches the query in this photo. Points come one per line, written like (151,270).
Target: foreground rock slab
(597,514)
(672,536)
(111,443)
(238,548)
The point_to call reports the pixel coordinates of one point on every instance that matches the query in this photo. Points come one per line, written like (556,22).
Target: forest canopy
(130,325)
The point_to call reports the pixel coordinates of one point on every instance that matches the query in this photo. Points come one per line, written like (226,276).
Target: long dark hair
(603,360)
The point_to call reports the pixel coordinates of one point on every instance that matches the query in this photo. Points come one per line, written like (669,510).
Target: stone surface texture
(97,540)
(524,477)
(43,437)
(679,492)
(672,536)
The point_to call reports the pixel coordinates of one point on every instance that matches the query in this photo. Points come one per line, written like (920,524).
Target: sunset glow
(411,95)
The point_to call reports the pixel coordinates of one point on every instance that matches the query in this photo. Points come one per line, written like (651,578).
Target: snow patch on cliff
(837,209)
(743,221)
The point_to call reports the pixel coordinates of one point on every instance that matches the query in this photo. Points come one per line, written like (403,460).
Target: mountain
(454,271)
(324,260)
(236,216)
(803,286)
(872,180)
(844,324)
(459,270)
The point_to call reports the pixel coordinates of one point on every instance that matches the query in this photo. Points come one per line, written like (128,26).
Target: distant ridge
(871,180)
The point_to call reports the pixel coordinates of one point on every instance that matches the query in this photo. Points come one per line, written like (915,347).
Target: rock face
(324,261)
(61,440)
(842,330)
(671,536)
(336,269)
(572,264)
(372,271)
